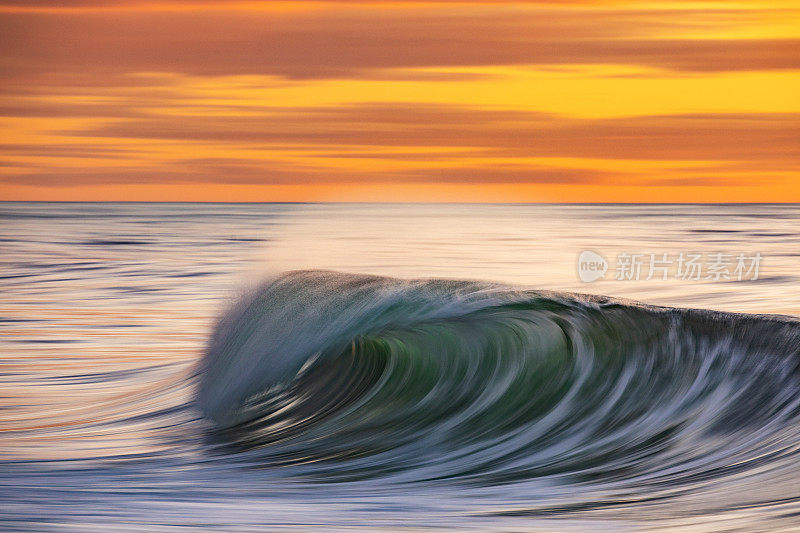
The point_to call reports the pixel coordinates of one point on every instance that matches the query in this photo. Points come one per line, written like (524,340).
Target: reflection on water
(107,309)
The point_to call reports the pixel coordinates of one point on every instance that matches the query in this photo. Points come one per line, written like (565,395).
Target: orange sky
(576,101)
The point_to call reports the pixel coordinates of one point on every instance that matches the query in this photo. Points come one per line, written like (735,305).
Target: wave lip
(347,377)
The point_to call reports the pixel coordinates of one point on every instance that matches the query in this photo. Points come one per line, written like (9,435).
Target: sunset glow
(400,101)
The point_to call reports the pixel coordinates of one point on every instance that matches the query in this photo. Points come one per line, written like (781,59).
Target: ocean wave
(348,377)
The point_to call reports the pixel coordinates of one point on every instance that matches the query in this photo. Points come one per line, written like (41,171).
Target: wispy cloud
(568,94)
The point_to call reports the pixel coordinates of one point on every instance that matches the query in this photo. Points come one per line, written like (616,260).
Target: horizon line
(373,202)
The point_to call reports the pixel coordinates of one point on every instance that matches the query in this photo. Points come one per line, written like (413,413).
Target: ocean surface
(361,367)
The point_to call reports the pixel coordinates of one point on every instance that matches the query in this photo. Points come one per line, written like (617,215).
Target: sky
(573,101)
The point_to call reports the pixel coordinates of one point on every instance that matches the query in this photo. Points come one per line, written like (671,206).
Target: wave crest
(349,377)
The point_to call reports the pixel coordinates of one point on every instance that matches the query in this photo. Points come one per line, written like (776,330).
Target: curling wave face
(346,377)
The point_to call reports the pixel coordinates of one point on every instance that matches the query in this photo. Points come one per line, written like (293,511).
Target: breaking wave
(345,377)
